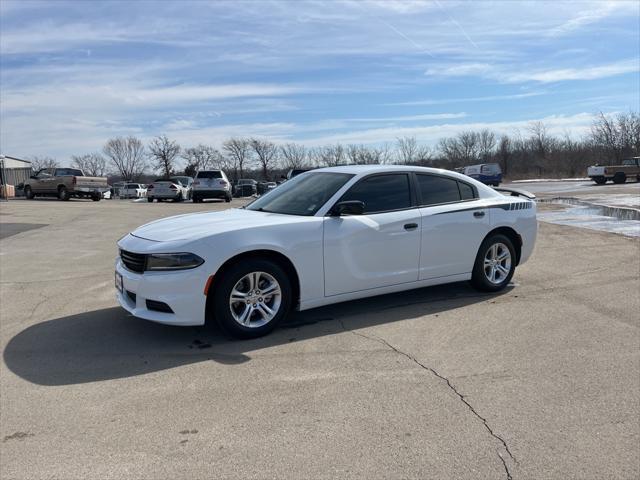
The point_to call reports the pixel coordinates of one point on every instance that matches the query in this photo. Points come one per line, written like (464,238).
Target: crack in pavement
(451,387)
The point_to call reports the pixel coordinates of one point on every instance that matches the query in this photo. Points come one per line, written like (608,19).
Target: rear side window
(435,190)
(466,191)
(210,174)
(381,193)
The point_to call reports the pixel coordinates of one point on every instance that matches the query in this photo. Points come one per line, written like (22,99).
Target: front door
(379,248)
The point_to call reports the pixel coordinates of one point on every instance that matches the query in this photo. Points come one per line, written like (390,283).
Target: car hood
(198,225)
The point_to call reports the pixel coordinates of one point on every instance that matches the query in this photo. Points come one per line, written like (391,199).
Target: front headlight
(173,261)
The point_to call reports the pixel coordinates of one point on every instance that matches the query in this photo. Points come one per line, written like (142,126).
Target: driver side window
(381,193)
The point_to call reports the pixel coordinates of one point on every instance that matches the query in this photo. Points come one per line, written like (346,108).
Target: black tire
(150,199)
(196,199)
(479,277)
(619,177)
(227,198)
(178,198)
(222,292)
(600,180)
(63,194)
(96,197)
(28,193)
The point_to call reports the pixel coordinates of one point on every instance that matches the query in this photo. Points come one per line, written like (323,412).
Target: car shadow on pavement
(109,344)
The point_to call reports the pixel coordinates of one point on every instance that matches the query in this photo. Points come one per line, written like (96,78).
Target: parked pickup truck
(65,183)
(630,168)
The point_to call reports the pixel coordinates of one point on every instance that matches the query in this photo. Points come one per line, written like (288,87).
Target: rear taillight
(74,180)
(223,183)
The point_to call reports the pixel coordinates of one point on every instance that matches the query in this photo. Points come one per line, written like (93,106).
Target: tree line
(528,153)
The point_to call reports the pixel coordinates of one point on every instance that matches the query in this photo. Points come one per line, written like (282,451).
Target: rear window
(435,190)
(68,172)
(210,174)
(466,191)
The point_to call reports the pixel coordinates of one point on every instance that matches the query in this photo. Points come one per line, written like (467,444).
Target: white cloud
(507,74)
(577,124)
(488,98)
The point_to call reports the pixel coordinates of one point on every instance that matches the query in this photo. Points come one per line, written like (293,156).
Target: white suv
(211,184)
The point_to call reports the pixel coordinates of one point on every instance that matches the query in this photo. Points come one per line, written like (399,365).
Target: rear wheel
(227,197)
(96,197)
(600,180)
(252,298)
(63,194)
(150,199)
(495,264)
(28,192)
(619,177)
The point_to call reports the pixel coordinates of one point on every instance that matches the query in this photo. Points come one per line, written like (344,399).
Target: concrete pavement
(541,381)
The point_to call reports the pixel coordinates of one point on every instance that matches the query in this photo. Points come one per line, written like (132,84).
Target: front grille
(133,261)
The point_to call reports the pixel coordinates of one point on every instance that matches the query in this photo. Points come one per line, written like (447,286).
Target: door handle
(410,226)
(478,214)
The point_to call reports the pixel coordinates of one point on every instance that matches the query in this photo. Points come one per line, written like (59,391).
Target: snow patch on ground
(535,180)
(585,216)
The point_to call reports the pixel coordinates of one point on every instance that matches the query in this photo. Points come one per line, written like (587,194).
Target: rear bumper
(89,190)
(182,291)
(210,193)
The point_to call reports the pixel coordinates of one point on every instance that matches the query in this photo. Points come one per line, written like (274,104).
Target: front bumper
(182,290)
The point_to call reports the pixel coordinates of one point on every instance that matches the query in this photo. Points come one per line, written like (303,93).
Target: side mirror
(349,207)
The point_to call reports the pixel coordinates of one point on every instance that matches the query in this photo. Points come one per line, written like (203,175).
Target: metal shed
(14,171)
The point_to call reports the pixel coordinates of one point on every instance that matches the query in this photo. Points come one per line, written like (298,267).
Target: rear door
(454,223)
(379,248)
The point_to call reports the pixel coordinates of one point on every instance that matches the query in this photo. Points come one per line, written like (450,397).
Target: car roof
(363,170)
(366,169)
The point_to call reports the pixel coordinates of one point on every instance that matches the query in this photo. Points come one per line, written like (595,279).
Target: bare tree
(504,154)
(487,142)
(164,153)
(410,152)
(92,164)
(38,162)
(202,156)
(407,149)
(540,139)
(266,153)
(617,137)
(294,155)
(328,156)
(238,152)
(127,155)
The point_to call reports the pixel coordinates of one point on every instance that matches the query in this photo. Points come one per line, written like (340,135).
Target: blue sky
(74,74)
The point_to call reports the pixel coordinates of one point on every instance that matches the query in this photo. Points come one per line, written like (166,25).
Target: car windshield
(302,195)
(211,174)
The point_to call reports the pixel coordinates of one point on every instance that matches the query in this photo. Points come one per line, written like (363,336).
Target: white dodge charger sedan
(325,236)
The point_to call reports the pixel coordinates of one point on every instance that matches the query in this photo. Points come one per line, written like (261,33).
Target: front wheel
(495,264)
(96,197)
(150,199)
(28,193)
(252,298)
